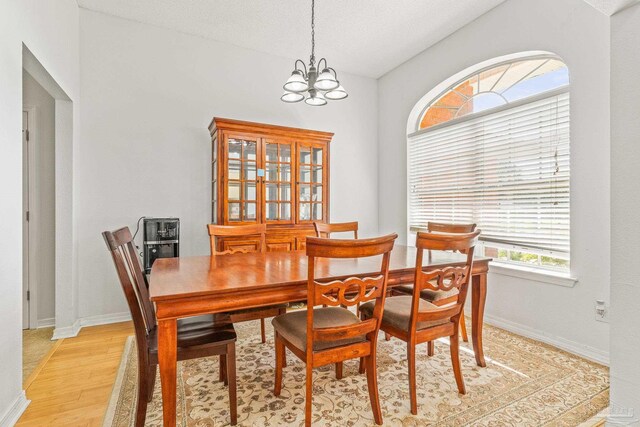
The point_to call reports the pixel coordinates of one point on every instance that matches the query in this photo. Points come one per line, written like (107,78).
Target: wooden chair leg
(454,345)
(223,369)
(339,370)
(431,348)
(231,375)
(152,382)
(372,385)
(411,356)
(463,328)
(308,397)
(280,357)
(143,394)
(361,367)
(387,337)
(263,333)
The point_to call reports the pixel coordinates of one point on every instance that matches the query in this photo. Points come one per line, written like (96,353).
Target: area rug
(525,383)
(36,344)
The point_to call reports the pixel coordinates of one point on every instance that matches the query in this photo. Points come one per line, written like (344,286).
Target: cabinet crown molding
(219,123)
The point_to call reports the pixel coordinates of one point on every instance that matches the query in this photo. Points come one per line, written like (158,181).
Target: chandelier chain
(313,33)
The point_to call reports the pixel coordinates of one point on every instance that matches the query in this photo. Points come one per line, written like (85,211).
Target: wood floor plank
(74,386)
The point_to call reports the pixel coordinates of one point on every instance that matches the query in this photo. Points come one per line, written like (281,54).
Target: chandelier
(306,83)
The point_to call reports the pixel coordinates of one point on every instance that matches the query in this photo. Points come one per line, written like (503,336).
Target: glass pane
(317,193)
(285,153)
(305,211)
(317,174)
(317,211)
(285,192)
(272,153)
(516,72)
(272,211)
(233,190)
(285,211)
(542,80)
(481,102)
(305,174)
(235,149)
(250,191)
(305,193)
(317,156)
(249,171)
(234,169)
(305,155)
(490,77)
(250,211)
(285,173)
(249,150)
(272,192)
(272,172)
(234,211)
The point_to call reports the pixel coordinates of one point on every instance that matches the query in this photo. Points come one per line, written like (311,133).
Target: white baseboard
(67,331)
(105,319)
(102,319)
(14,412)
(46,323)
(581,350)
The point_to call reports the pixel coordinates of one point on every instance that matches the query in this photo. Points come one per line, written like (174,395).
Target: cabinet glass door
(311,160)
(278,181)
(242,180)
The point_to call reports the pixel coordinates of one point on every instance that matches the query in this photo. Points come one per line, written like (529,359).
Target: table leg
(167,359)
(478,298)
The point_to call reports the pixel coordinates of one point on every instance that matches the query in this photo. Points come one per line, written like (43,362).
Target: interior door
(25,220)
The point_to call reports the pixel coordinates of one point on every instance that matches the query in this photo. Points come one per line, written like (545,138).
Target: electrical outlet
(602,311)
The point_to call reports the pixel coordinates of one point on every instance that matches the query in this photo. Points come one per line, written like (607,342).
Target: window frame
(538,272)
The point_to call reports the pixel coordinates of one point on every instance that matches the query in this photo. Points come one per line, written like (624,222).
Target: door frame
(30,273)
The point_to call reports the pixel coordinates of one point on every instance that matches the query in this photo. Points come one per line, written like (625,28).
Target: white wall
(43,195)
(148,96)
(580,35)
(50,29)
(625,205)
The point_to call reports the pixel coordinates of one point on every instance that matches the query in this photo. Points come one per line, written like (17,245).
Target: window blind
(507,171)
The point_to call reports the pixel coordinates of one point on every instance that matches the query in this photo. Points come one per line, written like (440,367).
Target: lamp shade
(326,81)
(292,97)
(336,94)
(316,99)
(296,82)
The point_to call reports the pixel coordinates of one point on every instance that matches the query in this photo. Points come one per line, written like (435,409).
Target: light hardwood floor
(74,386)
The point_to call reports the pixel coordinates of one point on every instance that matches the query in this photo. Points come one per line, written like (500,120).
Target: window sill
(529,273)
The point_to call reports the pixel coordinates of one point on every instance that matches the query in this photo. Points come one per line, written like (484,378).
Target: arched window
(493,148)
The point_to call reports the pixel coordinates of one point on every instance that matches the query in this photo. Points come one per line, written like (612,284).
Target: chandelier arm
(304,67)
(335,74)
(320,62)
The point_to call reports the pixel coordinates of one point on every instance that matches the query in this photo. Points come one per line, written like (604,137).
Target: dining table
(197,285)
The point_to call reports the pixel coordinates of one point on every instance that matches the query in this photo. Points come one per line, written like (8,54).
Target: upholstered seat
(293,326)
(428,294)
(397,313)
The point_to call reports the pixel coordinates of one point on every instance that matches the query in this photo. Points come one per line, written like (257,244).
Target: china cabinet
(269,174)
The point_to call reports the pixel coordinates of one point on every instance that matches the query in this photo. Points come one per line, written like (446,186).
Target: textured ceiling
(364,37)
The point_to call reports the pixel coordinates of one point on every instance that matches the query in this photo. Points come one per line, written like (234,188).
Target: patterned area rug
(525,383)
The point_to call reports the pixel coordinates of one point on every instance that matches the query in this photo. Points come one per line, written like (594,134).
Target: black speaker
(161,240)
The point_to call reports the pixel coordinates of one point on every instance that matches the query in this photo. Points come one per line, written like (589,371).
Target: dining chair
(255,241)
(440,298)
(325,230)
(331,335)
(414,320)
(202,337)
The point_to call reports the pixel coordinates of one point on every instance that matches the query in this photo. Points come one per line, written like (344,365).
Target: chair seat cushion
(199,332)
(397,313)
(293,326)
(429,294)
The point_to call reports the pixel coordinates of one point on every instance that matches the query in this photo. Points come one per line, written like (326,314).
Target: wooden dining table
(196,285)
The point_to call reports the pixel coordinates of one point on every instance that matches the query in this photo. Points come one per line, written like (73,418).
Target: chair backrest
(347,292)
(250,231)
(325,230)
(441,227)
(134,284)
(442,278)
